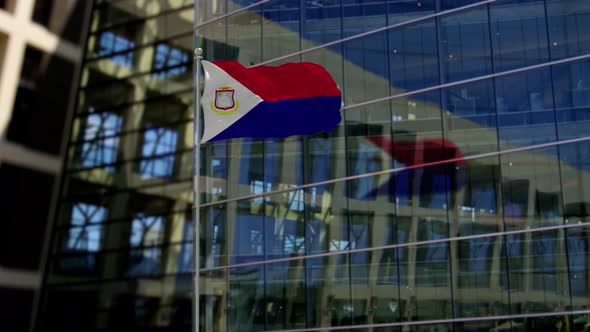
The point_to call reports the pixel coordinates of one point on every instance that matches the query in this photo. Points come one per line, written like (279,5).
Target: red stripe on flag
(288,81)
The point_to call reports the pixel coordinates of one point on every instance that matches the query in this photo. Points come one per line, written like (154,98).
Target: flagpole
(196,189)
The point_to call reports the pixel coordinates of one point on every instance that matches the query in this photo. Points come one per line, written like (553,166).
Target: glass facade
(453,196)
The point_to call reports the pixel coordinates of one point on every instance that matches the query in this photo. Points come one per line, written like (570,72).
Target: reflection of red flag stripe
(426,150)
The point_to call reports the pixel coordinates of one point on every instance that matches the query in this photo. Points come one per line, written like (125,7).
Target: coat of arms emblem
(224,98)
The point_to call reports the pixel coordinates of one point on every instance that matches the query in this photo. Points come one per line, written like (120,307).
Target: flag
(268,102)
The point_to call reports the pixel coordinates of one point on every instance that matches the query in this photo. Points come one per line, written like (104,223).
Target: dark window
(42,11)
(16,306)
(22,227)
(72,29)
(32,68)
(41,103)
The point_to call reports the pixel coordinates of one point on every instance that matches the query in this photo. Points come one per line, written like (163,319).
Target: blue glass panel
(578,250)
(465,45)
(249,175)
(575,168)
(569,28)
(519,34)
(525,108)
(248,241)
(413,55)
(404,10)
(363,15)
(571,82)
(321,21)
(451,4)
(366,70)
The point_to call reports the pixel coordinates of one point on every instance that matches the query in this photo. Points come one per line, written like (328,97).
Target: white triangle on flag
(224,101)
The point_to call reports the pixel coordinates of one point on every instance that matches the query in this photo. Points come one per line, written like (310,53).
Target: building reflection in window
(84,237)
(86,230)
(169,61)
(146,235)
(157,152)
(185,257)
(100,144)
(112,43)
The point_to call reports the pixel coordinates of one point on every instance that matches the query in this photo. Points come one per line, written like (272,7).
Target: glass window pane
(569,25)
(364,15)
(413,55)
(525,109)
(212,38)
(519,34)
(478,272)
(100,145)
(571,88)
(321,22)
(537,270)
(578,251)
(470,119)
(285,298)
(531,189)
(367,128)
(158,147)
(465,47)
(428,292)
(246,301)
(366,69)
(331,59)
(405,10)
(328,287)
(244,30)
(280,28)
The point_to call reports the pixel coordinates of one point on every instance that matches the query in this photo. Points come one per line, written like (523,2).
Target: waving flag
(264,101)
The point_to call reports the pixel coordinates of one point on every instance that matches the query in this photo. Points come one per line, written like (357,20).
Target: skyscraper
(452,197)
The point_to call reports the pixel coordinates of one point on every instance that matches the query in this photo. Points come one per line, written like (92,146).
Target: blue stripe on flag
(287,117)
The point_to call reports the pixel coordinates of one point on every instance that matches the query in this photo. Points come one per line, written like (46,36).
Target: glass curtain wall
(475,113)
